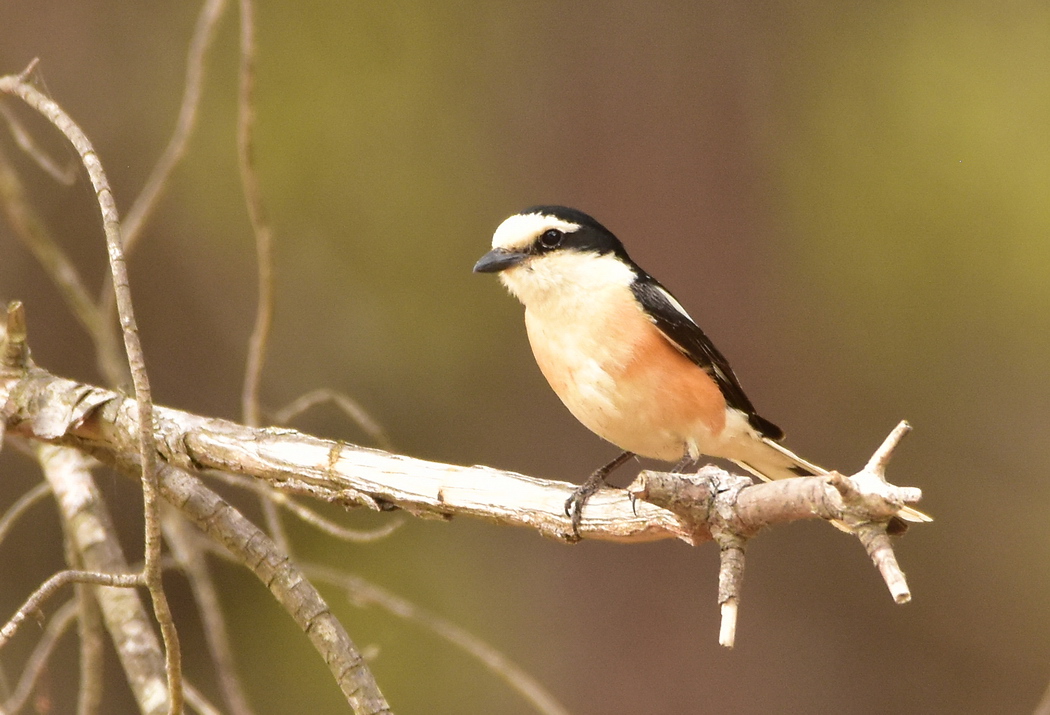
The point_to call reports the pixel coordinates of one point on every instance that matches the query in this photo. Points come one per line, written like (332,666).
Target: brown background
(853,201)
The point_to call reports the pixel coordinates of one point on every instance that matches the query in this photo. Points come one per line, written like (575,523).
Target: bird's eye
(551,238)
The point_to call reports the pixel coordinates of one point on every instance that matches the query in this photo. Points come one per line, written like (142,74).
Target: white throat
(565,280)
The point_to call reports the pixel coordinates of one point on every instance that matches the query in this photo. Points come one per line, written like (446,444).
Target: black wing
(665,312)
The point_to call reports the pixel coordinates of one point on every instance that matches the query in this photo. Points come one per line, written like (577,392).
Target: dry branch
(91,535)
(711,504)
(18,87)
(48,408)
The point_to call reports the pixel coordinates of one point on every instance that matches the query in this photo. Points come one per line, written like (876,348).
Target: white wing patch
(674,303)
(678,307)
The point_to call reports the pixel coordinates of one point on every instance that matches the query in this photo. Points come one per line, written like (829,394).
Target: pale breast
(622,379)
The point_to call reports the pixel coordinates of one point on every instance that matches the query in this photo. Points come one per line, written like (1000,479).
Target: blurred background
(853,200)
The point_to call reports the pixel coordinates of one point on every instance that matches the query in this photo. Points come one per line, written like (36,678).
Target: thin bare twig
(21,506)
(881,457)
(256,214)
(190,558)
(145,203)
(350,407)
(93,545)
(56,583)
(197,700)
(363,593)
(29,228)
(92,641)
(24,141)
(147,452)
(257,342)
(730,581)
(56,628)
(877,543)
(141,210)
(311,517)
(285,580)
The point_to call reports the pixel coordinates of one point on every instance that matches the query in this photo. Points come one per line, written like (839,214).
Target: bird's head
(554,249)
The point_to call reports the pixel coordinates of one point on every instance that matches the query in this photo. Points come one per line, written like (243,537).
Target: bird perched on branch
(625,357)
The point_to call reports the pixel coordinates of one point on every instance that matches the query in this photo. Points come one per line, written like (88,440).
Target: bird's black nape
(591,236)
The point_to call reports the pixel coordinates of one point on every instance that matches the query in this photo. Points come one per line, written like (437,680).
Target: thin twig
(877,543)
(21,506)
(56,628)
(308,515)
(197,700)
(285,580)
(350,407)
(24,141)
(30,229)
(92,646)
(730,580)
(190,558)
(257,342)
(203,35)
(363,593)
(881,457)
(256,214)
(93,545)
(56,583)
(147,451)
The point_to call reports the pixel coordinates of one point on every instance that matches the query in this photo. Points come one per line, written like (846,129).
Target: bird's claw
(574,510)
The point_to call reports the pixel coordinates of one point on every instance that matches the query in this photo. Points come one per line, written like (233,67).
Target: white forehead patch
(520,230)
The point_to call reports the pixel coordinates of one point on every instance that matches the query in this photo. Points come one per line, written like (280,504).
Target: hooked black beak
(498,259)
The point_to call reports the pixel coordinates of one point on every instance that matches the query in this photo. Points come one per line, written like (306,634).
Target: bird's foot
(580,495)
(686,464)
(574,505)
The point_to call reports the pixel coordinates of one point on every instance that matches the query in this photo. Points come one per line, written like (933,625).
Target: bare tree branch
(90,531)
(30,229)
(144,404)
(103,423)
(362,593)
(711,504)
(53,585)
(253,548)
(191,559)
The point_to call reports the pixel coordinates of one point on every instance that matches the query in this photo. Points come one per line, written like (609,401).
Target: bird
(625,357)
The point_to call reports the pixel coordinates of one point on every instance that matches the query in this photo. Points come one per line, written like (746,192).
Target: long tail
(774,461)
